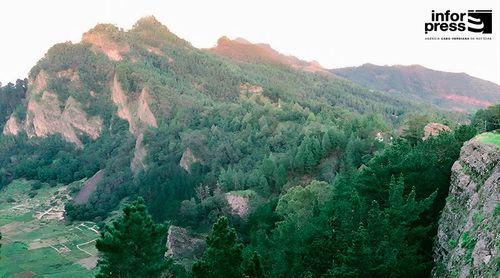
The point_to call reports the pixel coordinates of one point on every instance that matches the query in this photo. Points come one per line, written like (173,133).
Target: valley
(36,240)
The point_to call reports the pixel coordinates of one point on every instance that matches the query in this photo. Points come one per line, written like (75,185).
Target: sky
(334,33)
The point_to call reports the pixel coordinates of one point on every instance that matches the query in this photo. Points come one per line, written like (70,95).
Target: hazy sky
(335,33)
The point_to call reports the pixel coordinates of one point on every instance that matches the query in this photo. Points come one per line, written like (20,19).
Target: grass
(468,242)
(41,245)
(490,138)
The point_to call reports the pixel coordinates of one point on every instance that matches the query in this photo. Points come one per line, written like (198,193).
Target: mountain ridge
(455,91)
(243,50)
(144,74)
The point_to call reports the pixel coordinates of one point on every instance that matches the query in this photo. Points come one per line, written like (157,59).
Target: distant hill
(455,91)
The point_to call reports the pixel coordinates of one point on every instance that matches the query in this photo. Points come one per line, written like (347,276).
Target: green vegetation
(453,243)
(132,245)
(422,83)
(11,101)
(35,241)
(223,256)
(468,242)
(487,119)
(336,189)
(490,138)
(244,193)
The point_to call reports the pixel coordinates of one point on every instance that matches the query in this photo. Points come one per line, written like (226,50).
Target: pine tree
(315,148)
(308,154)
(132,246)
(223,256)
(280,177)
(326,143)
(267,167)
(252,267)
(377,239)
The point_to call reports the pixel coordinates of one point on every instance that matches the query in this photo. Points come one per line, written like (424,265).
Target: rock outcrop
(239,202)
(12,126)
(433,129)
(140,153)
(47,115)
(188,159)
(249,88)
(468,234)
(139,116)
(120,100)
(183,248)
(146,117)
(105,38)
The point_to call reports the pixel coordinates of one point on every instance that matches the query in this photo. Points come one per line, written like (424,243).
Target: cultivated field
(36,240)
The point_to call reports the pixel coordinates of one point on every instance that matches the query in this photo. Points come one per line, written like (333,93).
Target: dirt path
(86,252)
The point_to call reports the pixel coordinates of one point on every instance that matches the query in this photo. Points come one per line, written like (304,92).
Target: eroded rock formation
(47,115)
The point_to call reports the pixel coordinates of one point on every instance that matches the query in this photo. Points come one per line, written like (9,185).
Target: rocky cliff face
(47,115)
(139,117)
(468,234)
(62,93)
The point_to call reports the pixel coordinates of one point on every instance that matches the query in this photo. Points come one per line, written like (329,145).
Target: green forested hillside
(11,100)
(340,181)
(454,91)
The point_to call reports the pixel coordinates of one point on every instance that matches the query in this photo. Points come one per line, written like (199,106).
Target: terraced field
(36,241)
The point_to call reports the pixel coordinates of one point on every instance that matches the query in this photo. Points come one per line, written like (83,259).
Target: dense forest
(341,182)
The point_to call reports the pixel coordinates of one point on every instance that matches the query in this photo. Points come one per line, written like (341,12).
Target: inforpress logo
(480,21)
(474,21)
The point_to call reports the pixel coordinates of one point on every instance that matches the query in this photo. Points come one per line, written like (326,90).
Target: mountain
(455,91)
(146,82)
(468,227)
(275,144)
(242,50)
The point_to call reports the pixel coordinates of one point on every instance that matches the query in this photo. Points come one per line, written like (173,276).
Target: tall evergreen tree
(308,154)
(280,177)
(378,242)
(326,143)
(223,256)
(132,246)
(252,267)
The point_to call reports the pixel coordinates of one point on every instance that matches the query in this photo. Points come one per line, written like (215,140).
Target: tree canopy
(133,245)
